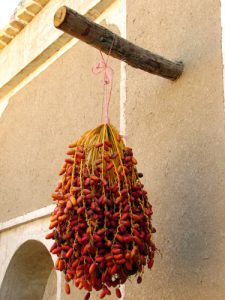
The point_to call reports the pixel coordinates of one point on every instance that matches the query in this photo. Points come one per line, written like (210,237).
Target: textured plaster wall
(41,120)
(177,132)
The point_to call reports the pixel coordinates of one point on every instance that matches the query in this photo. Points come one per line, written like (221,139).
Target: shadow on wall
(29,274)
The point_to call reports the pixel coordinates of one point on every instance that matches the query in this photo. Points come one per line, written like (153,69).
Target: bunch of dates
(101,225)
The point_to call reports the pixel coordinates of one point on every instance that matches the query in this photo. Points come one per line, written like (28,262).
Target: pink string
(104,67)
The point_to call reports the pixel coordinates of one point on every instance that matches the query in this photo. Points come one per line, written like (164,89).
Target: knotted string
(104,67)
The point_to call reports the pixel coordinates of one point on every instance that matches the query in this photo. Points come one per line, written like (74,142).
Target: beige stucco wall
(176,130)
(41,120)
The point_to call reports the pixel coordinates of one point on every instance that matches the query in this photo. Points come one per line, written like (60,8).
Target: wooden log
(101,38)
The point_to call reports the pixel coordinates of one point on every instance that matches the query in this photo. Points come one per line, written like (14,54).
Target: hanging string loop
(104,67)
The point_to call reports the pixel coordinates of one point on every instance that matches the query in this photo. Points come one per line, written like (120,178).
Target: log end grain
(60,16)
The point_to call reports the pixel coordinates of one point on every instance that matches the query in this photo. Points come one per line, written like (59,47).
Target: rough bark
(103,39)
